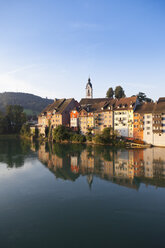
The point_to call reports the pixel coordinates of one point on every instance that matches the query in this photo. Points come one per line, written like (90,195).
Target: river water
(80,196)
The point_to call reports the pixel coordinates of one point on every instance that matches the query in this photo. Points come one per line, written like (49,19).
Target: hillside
(32,104)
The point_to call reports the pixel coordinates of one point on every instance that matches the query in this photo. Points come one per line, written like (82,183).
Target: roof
(146,107)
(58,105)
(96,104)
(160,106)
(102,104)
(88,101)
(161,99)
(126,103)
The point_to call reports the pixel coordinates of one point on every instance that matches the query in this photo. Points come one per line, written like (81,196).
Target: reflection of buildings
(87,162)
(123,167)
(74,164)
(148,163)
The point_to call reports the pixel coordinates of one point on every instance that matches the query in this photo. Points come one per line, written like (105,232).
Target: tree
(15,118)
(2,123)
(143,98)
(110,93)
(119,92)
(61,133)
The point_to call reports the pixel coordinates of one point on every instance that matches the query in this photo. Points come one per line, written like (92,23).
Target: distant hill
(32,104)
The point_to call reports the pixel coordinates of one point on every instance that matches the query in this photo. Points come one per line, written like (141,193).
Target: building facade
(55,114)
(124,115)
(159,123)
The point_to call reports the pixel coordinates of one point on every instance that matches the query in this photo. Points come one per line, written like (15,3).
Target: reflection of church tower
(90,180)
(89,89)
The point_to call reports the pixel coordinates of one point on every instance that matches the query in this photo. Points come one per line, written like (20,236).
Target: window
(148,133)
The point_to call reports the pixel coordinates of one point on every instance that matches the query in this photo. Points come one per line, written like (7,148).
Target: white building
(123,115)
(147,131)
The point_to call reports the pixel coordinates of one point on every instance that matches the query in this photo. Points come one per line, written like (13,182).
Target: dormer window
(102,108)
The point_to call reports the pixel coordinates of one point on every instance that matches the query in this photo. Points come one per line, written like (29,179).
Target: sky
(51,47)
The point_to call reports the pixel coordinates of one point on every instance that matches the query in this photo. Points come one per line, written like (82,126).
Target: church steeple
(89,89)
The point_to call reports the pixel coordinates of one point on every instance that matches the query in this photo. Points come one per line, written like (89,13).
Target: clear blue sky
(50,47)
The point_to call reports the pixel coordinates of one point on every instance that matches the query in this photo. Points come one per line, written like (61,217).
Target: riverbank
(118,143)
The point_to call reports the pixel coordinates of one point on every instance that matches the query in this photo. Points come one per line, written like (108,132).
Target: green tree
(143,98)
(3,123)
(119,92)
(61,133)
(15,118)
(110,93)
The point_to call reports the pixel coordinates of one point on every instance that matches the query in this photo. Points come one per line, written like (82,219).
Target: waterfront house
(104,115)
(74,118)
(57,113)
(124,115)
(143,122)
(159,123)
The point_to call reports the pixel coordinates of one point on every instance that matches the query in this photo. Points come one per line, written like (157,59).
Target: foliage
(15,118)
(89,137)
(89,131)
(78,138)
(119,92)
(108,136)
(3,124)
(61,133)
(12,120)
(110,93)
(143,98)
(25,130)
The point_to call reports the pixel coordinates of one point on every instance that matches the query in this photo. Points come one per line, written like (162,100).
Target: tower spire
(89,89)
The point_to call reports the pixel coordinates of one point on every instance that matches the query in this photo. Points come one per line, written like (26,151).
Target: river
(65,195)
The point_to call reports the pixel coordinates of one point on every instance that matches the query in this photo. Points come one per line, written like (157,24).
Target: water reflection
(13,152)
(124,167)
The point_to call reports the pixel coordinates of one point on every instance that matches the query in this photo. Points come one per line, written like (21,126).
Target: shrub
(25,130)
(78,138)
(61,133)
(89,137)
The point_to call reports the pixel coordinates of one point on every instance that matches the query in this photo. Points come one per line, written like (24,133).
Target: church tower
(89,89)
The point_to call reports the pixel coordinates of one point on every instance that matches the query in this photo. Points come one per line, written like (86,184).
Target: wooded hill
(32,104)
